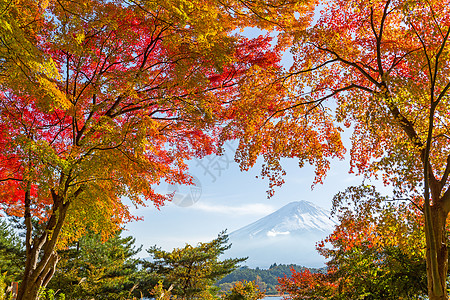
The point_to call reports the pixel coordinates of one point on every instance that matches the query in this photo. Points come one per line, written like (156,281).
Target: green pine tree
(192,271)
(12,254)
(92,269)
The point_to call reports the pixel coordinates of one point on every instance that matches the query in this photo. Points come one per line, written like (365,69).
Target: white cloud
(257,209)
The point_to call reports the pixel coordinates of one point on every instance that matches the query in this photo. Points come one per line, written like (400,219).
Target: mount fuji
(287,236)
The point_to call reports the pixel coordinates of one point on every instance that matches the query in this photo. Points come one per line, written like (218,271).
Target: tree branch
(353,64)
(10,179)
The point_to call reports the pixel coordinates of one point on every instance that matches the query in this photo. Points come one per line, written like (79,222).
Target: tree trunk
(41,257)
(30,287)
(438,222)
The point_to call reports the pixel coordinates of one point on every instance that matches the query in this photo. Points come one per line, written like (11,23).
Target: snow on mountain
(287,236)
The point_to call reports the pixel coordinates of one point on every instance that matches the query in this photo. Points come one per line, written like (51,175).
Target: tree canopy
(103,100)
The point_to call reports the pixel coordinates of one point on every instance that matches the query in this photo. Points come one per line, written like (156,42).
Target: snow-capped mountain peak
(294,218)
(287,235)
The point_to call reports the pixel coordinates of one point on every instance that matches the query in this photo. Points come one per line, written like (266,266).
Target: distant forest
(267,279)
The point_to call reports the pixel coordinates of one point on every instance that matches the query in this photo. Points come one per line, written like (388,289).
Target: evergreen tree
(192,271)
(92,269)
(12,254)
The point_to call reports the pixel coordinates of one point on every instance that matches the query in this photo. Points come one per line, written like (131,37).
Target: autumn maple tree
(380,68)
(244,290)
(306,285)
(375,252)
(102,100)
